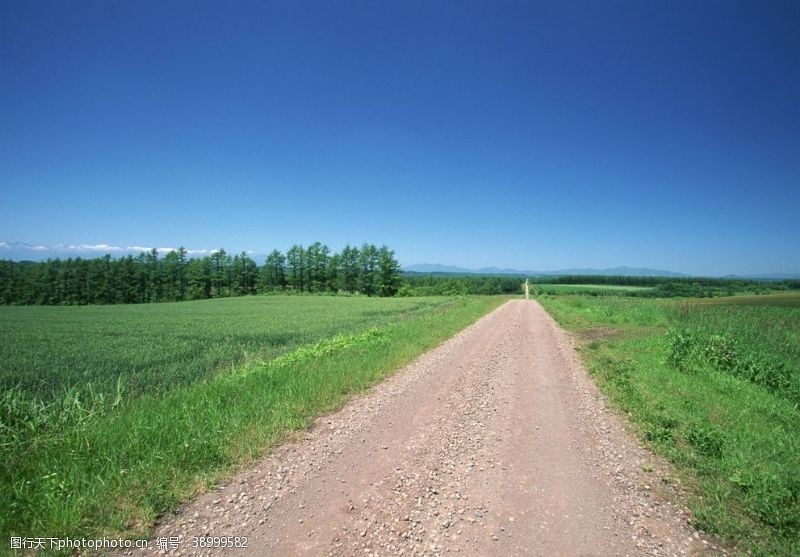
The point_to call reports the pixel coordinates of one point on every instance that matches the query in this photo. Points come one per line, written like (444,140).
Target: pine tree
(243,272)
(347,273)
(296,268)
(220,269)
(332,272)
(273,273)
(317,256)
(182,267)
(171,277)
(199,278)
(388,272)
(368,270)
(153,276)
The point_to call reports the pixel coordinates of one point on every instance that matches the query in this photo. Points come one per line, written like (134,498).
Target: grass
(781,299)
(592,289)
(112,470)
(152,347)
(714,388)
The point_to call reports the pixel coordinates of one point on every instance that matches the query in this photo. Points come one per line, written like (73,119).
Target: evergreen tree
(273,273)
(199,278)
(332,272)
(368,270)
(126,280)
(7,268)
(316,259)
(182,268)
(101,281)
(220,269)
(244,274)
(295,268)
(171,276)
(347,274)
(388,272)
(153,276)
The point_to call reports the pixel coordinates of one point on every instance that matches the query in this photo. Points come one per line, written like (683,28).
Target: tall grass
(584,311)
(758,344)
(713,388)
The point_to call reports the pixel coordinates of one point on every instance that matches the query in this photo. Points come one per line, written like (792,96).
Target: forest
(418,284)
(149,277)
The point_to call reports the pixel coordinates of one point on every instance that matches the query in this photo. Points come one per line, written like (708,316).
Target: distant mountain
(620,271)
(436,268)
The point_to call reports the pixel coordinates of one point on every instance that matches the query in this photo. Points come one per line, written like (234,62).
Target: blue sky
(535,135)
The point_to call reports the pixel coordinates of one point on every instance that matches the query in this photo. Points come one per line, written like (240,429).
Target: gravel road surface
(494,443)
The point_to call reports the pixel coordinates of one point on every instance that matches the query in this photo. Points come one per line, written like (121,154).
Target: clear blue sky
(535,135)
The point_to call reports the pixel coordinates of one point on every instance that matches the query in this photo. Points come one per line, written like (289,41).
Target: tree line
(148,277)
(446,284)
(672,287)
(416,284)
(735,283)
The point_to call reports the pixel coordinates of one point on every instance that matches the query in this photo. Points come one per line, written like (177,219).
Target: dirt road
(495,443)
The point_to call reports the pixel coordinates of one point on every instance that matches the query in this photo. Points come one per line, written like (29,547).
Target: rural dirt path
(494,443)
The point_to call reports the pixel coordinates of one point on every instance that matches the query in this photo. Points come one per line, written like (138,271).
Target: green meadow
(593,289)
(149,348)
(714,386)
(113,415)
(777,299)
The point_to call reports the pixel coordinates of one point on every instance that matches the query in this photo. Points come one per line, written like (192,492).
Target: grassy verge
(114,473)
(713,388)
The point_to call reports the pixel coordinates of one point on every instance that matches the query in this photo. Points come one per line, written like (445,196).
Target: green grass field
(780,299)
(49,350)
(595,289)
(714,387)
(113,415)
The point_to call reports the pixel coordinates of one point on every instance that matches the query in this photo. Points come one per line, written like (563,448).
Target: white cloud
(104,248)
(21,245)
(167,250)
(101,248)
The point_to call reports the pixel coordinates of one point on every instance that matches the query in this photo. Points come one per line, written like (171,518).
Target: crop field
(780,299)
(587,288)
(112,415)
(715,387)
(47,351)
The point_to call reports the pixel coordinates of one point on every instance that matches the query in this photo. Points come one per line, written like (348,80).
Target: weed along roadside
(714,387)
(113,471)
